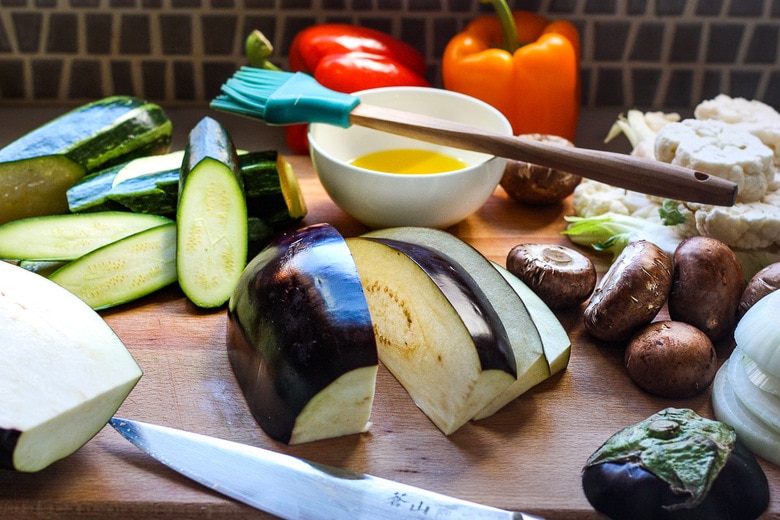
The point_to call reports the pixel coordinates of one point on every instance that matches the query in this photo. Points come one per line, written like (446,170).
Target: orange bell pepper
(523,65)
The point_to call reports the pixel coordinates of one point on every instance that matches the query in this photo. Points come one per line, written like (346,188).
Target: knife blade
(294,488)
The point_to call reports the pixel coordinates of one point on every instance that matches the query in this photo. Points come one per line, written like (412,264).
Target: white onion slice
(760,377)
(758,333)
(753,433)
(765,406)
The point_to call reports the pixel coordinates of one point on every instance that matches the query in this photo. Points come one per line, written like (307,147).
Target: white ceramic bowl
(387,199)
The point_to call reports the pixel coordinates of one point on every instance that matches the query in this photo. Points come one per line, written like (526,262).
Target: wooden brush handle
(622,170)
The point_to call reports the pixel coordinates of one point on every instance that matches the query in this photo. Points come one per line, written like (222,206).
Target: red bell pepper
(347,58)
(373,57)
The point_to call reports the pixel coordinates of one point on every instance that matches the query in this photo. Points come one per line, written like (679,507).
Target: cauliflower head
(731,138)
(752,115)
(719,149)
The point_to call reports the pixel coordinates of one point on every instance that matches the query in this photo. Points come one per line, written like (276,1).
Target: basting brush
(285,98)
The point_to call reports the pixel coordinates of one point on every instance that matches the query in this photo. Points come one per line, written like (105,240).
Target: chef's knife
(293,488)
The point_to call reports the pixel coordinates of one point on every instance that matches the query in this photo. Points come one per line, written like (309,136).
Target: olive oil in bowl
(409,161)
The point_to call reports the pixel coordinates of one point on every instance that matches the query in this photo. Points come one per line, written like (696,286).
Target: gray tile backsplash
(664,54)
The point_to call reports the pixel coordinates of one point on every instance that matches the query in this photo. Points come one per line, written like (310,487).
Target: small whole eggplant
(675,465)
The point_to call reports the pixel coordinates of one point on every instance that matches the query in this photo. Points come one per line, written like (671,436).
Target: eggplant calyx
(678,446)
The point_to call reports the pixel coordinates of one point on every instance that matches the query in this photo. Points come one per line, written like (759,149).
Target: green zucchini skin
(97,135)
(90,194)
(37,169)
(155,193)
(208,139)
(211,217)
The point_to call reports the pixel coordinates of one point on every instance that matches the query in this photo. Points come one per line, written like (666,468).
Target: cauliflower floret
(756,117)
(593,198)
(688,227)
(749,226)
(743,226)
(721,150)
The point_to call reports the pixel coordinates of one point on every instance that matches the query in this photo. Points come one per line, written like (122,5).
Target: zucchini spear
(37,169)
(211,217)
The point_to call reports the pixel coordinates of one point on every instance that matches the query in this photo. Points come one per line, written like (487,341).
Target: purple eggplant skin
(472,305)
(627,491)
(8,440)
(297,320)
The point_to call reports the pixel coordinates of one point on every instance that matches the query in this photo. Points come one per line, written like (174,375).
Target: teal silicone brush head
(284,98)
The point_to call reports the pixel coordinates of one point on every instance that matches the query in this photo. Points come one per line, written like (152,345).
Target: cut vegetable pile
(746,391)
(313,312)
(90,201)
(211,217)
(111,237)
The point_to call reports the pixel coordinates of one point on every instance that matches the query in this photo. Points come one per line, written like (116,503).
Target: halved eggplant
(437,332)
(300,338)
(530,361)
(64,371)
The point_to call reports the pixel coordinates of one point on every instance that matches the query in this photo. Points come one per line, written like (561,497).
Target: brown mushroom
(707,286)
(765,281)
(560,276)
(671,359)
(631,293)
(529,183)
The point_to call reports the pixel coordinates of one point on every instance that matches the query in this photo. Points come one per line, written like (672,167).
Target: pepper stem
(508,27)
(258,50)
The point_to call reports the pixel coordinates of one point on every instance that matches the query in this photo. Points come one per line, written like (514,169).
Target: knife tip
(118,422)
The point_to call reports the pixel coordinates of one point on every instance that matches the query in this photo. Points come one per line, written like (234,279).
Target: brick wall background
(646,53)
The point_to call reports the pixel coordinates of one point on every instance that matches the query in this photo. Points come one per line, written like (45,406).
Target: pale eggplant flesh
(437,332)
(297,321)
(472,305)
(59,384)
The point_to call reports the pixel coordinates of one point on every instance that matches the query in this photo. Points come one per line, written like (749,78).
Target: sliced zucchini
(37,169)
(291,190)
(147,165)
(271,188)
(67,237)
(97,135)
(211,217)
(123,271)
(91,192)
(155,193)
(37,186)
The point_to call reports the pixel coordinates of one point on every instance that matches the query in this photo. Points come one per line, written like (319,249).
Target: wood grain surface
(527,457)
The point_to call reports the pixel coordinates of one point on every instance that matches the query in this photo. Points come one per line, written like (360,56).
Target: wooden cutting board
(527,457)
